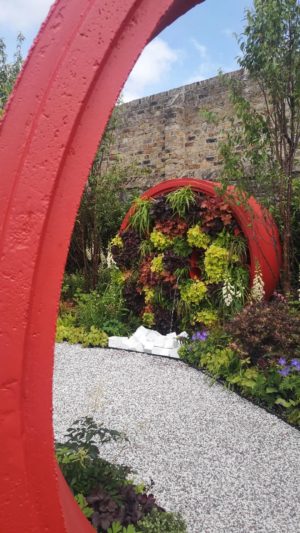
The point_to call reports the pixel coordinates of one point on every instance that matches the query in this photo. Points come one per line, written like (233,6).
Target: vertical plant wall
(191,258)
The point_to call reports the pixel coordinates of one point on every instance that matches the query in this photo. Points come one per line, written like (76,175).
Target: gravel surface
(225,464)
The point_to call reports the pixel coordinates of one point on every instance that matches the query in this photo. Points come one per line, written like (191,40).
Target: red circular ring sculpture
(49,136)
(255,222)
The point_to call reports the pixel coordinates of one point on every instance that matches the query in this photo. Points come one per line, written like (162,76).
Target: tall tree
(260,152)
(9,70)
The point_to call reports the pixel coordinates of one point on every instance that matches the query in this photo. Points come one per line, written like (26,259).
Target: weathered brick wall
(167,134)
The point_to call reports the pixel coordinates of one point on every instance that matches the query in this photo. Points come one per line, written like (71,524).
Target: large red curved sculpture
(256,223)
(49,136)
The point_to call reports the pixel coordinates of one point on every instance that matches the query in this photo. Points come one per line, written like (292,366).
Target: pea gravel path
(226,464)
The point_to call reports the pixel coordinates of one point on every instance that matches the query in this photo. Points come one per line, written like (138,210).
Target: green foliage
(157,264)
(260,151)
(140,220)
(100,309)
(9,71)
(148,319)
(216,263)
(159,240)
(79,460)
(209,116)
(276,385)
(156,522)
(193,292)
(116,527)
(197,238)
(181,200)
(104,203)
(72,284)
(78,335)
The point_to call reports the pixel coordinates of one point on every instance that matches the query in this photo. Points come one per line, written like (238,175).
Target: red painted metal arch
(49,136)
(256,223)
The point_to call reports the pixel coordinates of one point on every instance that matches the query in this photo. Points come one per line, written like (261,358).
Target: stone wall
(168,135)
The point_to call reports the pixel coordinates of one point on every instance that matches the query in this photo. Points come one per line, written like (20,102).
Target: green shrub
(78,335)
(156,522)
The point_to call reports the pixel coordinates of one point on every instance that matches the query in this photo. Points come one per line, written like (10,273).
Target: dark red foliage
(172,261)
(128,255)
(133,298)
(166,320)
(147,277)
(215,215)
(127,507)
(174,227)
(160,210)
(266,331)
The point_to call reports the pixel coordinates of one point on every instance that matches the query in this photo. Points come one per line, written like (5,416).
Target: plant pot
(255,221)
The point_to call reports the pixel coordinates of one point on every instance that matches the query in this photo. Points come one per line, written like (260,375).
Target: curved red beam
(49,135)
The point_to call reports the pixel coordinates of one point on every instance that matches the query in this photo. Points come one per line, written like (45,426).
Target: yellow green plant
(117,241)
(193,292)
(159,240)
(149,294)
(207,317)
(148,319)
(157,264)
(216,263)
(197,238)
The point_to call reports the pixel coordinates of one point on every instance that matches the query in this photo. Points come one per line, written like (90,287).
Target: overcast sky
(194,48)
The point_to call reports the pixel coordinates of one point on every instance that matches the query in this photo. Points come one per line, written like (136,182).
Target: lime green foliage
(149,294)
(181,200)
(159,240)
(116,527)
(140,219)
(207,317)
(148,319)
(220,362)
(216,263)
(197,238)
(157,264)
(117,241)
(78,335)
(156,522)
(193,292)
(87,511)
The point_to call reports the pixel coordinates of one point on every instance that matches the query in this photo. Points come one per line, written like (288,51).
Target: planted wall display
(192,257)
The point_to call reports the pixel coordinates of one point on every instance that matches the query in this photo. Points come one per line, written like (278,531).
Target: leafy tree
(260,150)
(104,203)
(9,71)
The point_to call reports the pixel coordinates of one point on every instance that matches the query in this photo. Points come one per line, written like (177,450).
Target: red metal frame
(256,223)
(49,135)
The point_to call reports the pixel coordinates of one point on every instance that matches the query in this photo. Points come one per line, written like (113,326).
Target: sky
(193,48)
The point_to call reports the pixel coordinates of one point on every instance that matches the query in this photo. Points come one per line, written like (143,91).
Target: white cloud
(202,49)
(207,68)
(152,67)
(22,15)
